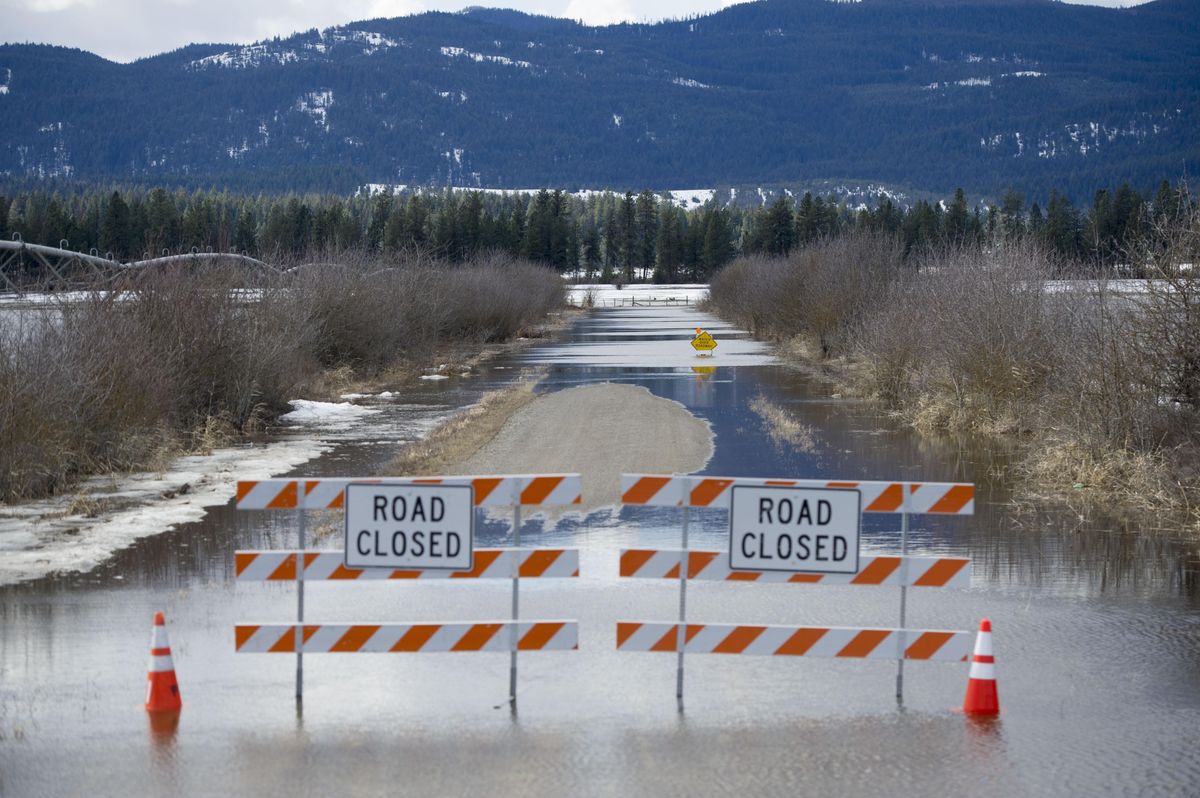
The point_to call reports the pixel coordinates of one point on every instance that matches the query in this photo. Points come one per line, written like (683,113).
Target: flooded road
(1097,632)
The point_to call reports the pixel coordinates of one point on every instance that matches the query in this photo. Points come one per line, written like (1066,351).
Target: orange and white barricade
(704,492)
(942,498)
(280,566)
(796,641)
(528,490)
(880,570)
(341,638)
(513,635)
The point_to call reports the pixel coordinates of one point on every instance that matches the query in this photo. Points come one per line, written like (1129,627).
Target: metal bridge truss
(34,268)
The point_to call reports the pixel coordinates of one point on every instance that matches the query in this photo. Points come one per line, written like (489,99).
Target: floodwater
(1097,634)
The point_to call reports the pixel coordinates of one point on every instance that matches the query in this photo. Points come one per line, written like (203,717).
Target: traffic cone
(162,691)
(981,698)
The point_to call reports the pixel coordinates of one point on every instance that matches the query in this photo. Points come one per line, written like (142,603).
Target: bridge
(35,268)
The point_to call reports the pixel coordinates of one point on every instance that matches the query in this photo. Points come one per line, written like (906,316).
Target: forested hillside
(987,94)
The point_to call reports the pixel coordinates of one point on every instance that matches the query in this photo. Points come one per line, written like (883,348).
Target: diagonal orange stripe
(708,489)
(484,487)
(743,576)
(285,643)
(736,641)
(285,499)
(698,561)
(338,501)
(888,501)
(409,575)
(864,643)
(805,579)
(625,630)
(667,641)
(673,573)
(632,560)
(940,572)
(875,573)
(342,572)
(841,484)
(242,634)
(780,482)
(538,636)
(691,631)
(242,560)
(954,499)
(539,488)
(538,561)
(416,637)
(243,489)
(644,490)
(286,569)
(483,561)
(927,645)
(801,641)
(476,637)
(354,638)
(310,630)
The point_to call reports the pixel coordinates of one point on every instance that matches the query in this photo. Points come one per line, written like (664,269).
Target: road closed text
(410,526)
(813,530)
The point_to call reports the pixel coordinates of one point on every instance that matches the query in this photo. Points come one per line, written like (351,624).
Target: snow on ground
(605,295)
(325,415)
(78,531)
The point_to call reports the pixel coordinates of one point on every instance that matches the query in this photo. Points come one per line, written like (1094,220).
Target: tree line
(605,236)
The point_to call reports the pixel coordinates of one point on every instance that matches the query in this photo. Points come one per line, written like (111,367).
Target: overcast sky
(127,29)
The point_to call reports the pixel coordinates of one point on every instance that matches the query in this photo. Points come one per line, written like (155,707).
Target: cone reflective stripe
(162,689)
(982,697)
(939,498)
(879,570)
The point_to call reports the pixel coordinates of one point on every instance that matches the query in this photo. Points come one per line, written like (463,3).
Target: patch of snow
(252,55)
(434,377)
(49,536)
(1024,74)
(459,52)
(691,198)
(316,104)
(689,83)
(7,81)
(617,119)
(974,82)
(324,415)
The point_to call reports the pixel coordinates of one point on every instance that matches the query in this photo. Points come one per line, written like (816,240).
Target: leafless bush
(121,378)
(821,291)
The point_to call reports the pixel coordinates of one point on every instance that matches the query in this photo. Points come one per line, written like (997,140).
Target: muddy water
(1097,636)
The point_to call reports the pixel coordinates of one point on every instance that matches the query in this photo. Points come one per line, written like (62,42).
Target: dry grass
(464,434)
(783,427)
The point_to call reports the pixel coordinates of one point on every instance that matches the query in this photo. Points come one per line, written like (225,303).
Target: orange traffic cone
(162,691)
(981,698)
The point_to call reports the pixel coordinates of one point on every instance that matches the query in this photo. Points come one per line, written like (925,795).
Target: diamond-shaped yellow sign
(704,342)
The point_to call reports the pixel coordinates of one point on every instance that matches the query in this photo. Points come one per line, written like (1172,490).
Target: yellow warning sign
(704,342)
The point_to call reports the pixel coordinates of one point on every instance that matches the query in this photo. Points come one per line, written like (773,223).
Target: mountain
(986,94)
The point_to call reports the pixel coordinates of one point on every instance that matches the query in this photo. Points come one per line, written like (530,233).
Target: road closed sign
(805,530)
(430,527)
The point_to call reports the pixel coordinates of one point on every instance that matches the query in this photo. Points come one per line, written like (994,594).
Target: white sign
(813,530)
(410,526)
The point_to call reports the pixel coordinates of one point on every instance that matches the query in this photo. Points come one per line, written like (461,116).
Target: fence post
(904,486)
(299,640)
(681,634)
(516,595)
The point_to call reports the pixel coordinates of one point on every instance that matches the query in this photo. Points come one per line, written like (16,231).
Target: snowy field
(606,295)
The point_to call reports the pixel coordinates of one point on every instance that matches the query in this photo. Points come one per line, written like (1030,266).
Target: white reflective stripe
(262,565)
(265,637)
(983,644)
(160,664)
(983,670)
(325,635)
(262,494)
(158,637)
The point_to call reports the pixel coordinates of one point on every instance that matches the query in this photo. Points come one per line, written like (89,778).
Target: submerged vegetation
(1099,379)
(181,358)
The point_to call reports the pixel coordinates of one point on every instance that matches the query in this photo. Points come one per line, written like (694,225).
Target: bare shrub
(821,291)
